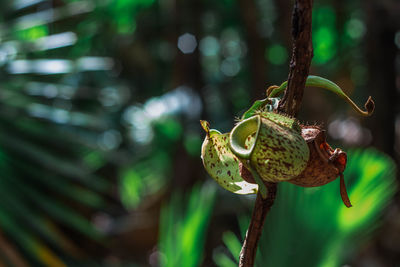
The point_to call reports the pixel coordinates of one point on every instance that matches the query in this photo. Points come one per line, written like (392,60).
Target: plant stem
(302,54)
(300,62)
(261,209)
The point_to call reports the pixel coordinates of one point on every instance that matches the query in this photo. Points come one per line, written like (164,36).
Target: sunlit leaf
(321,230)
(184,222)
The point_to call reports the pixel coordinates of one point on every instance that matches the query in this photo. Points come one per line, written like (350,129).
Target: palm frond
(184,223)
(56,134)
(312,227)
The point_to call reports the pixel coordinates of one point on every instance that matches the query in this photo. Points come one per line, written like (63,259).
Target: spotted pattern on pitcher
(280,152)
(221,164)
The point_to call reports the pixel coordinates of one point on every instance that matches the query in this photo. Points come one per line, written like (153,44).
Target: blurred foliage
(33,209)
(324,35)
(58,130)
(99,113)
(184,225)
(123,13)
(315,228)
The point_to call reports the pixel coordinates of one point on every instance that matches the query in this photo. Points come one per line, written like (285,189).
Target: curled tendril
(320,82)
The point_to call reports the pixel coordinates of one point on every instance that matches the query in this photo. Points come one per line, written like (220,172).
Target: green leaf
(320,82)
(314,227)
(57,210)
(223,260)
(232,242)
(269,104)
(184,223)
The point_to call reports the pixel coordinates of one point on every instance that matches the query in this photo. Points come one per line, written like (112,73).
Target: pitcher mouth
(316,136)
(337,157)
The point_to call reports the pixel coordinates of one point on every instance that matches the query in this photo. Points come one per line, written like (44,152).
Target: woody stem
(298,71)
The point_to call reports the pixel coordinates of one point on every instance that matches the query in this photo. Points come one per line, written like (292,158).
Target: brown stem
(302,54)
(261,209)
(290,104)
